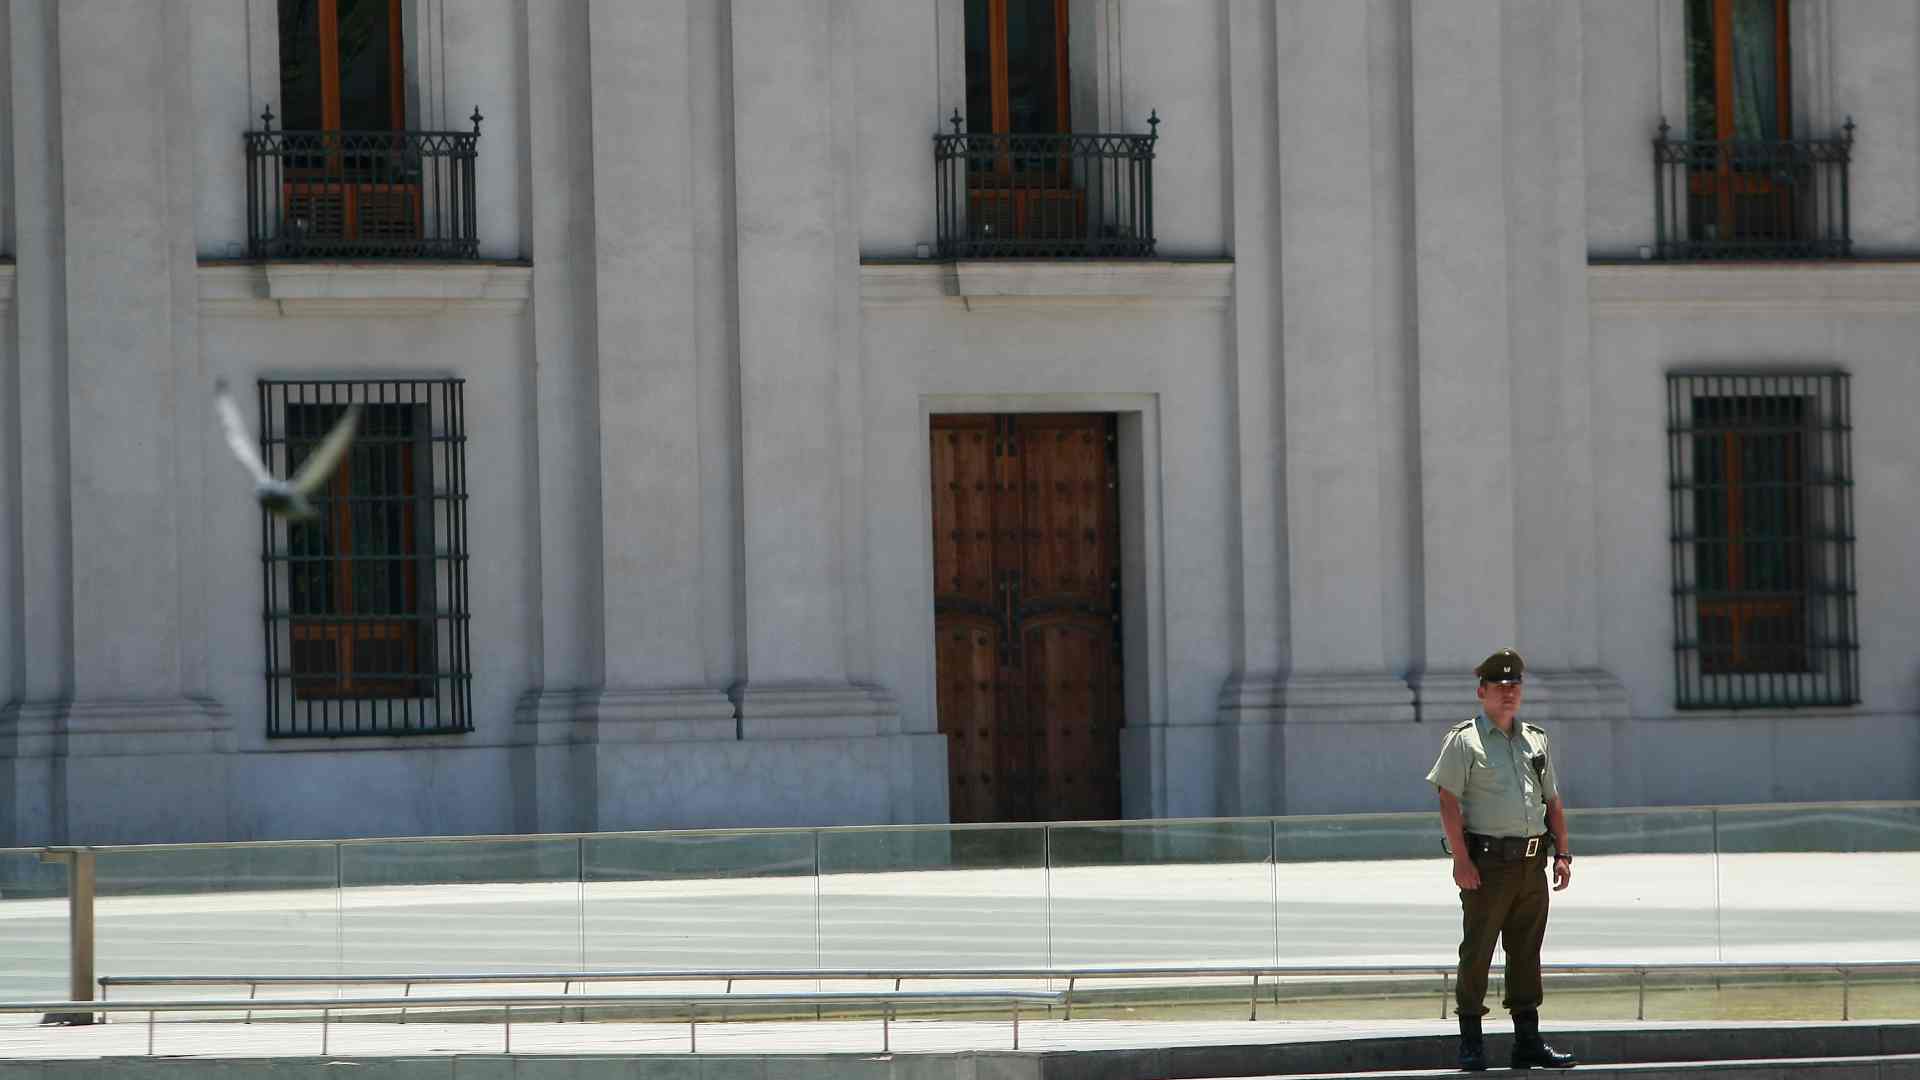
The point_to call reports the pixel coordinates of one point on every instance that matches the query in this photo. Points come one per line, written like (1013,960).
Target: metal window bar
(362,194)
(1049,196)
(1752,198)
(366,618)
(1761,500)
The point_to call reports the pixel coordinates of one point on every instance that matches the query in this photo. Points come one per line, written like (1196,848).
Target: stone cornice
(1034,282)
(275,289)
(1707,291)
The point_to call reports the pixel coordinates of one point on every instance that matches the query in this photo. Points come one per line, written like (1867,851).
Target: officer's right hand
(1465,874)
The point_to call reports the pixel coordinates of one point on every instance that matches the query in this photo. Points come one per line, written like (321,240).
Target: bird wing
(238,440)
(319,466)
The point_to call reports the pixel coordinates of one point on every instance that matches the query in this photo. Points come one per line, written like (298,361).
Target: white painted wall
(1386,419)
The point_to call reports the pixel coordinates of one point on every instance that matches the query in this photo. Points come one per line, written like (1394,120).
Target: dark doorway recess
(1026,562)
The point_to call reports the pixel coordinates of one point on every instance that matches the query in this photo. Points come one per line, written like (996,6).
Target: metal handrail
(954,827)
(1256,972)
(888,1000)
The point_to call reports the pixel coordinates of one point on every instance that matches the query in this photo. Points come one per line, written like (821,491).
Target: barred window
(367,599)
(1763,577)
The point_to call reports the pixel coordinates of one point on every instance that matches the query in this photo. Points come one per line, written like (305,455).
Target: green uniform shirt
(1503,782)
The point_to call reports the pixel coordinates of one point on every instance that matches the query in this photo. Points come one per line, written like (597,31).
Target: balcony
(1045,196)
(361,194)
(1733,199)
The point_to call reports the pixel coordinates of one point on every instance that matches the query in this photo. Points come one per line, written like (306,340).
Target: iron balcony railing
(1752,198)
(1044,196)
(362,194)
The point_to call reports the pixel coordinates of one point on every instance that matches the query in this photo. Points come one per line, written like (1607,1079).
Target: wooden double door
(1026,558)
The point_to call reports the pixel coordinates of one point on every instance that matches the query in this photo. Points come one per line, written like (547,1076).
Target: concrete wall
(1649,321)
(1378,416)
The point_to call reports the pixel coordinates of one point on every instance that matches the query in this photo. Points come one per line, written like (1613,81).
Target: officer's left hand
(1562,874)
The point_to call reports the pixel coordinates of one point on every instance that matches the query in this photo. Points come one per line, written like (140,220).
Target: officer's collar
(1485,724)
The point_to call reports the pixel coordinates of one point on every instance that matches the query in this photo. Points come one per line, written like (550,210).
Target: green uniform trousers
(1511,903)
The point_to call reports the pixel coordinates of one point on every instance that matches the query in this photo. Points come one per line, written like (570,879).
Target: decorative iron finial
(476,118)
(266,117)
(1153,123)
(955,120)
(1664,128)
(1849,127)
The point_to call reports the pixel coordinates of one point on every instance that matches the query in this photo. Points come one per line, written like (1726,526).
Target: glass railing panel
(33,931)
(1820,882)
(1364,889)
(270,909)
(945,897)
(700,901)
(1152,893)
(1643,889)
(461,905)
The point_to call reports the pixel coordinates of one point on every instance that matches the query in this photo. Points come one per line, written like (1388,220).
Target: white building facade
(719,441)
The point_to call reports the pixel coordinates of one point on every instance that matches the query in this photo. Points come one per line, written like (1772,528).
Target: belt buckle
(1533,846)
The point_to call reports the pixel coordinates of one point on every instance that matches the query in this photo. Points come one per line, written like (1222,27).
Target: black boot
(1530,1051)
(1473,1048)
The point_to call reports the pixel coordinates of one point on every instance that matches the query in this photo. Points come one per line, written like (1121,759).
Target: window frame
(398,497)
(328,16)
(999,93)
(1779,596)
(1729,184)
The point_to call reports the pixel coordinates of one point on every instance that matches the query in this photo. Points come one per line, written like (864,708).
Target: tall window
(367,630)
(1763,540)
(341,65)
(342,80)
(1738,71)
(1021,182)
(1739,96)
(1017,66)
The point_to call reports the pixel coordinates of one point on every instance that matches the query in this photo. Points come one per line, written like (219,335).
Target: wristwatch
(1567,855)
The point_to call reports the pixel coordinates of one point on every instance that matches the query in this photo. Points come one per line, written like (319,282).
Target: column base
(797,755)
(1579,694)
(1338,697)
(672,714)
(1445,697)
(74,763)
(814,711)
(1300,743)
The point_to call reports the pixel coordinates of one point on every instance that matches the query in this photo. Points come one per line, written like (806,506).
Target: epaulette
(1462,725)
(1535,728)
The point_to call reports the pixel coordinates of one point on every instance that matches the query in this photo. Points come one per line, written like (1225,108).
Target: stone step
(1872,1067)
(1667,1045)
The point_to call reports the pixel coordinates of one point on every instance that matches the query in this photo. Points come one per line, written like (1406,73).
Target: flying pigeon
(285,498)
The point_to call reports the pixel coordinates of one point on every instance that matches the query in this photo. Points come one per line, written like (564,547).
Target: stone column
(1308,257)
(135,413)
(616,345)
(1462,266)
(797,329)
(1337,656)
(1250,740)
(44,681)
(553,782)
(1557,562)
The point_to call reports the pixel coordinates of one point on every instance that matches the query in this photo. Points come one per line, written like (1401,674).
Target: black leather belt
(1504,848)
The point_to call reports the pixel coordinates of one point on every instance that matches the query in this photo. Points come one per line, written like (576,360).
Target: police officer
(1499,798)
